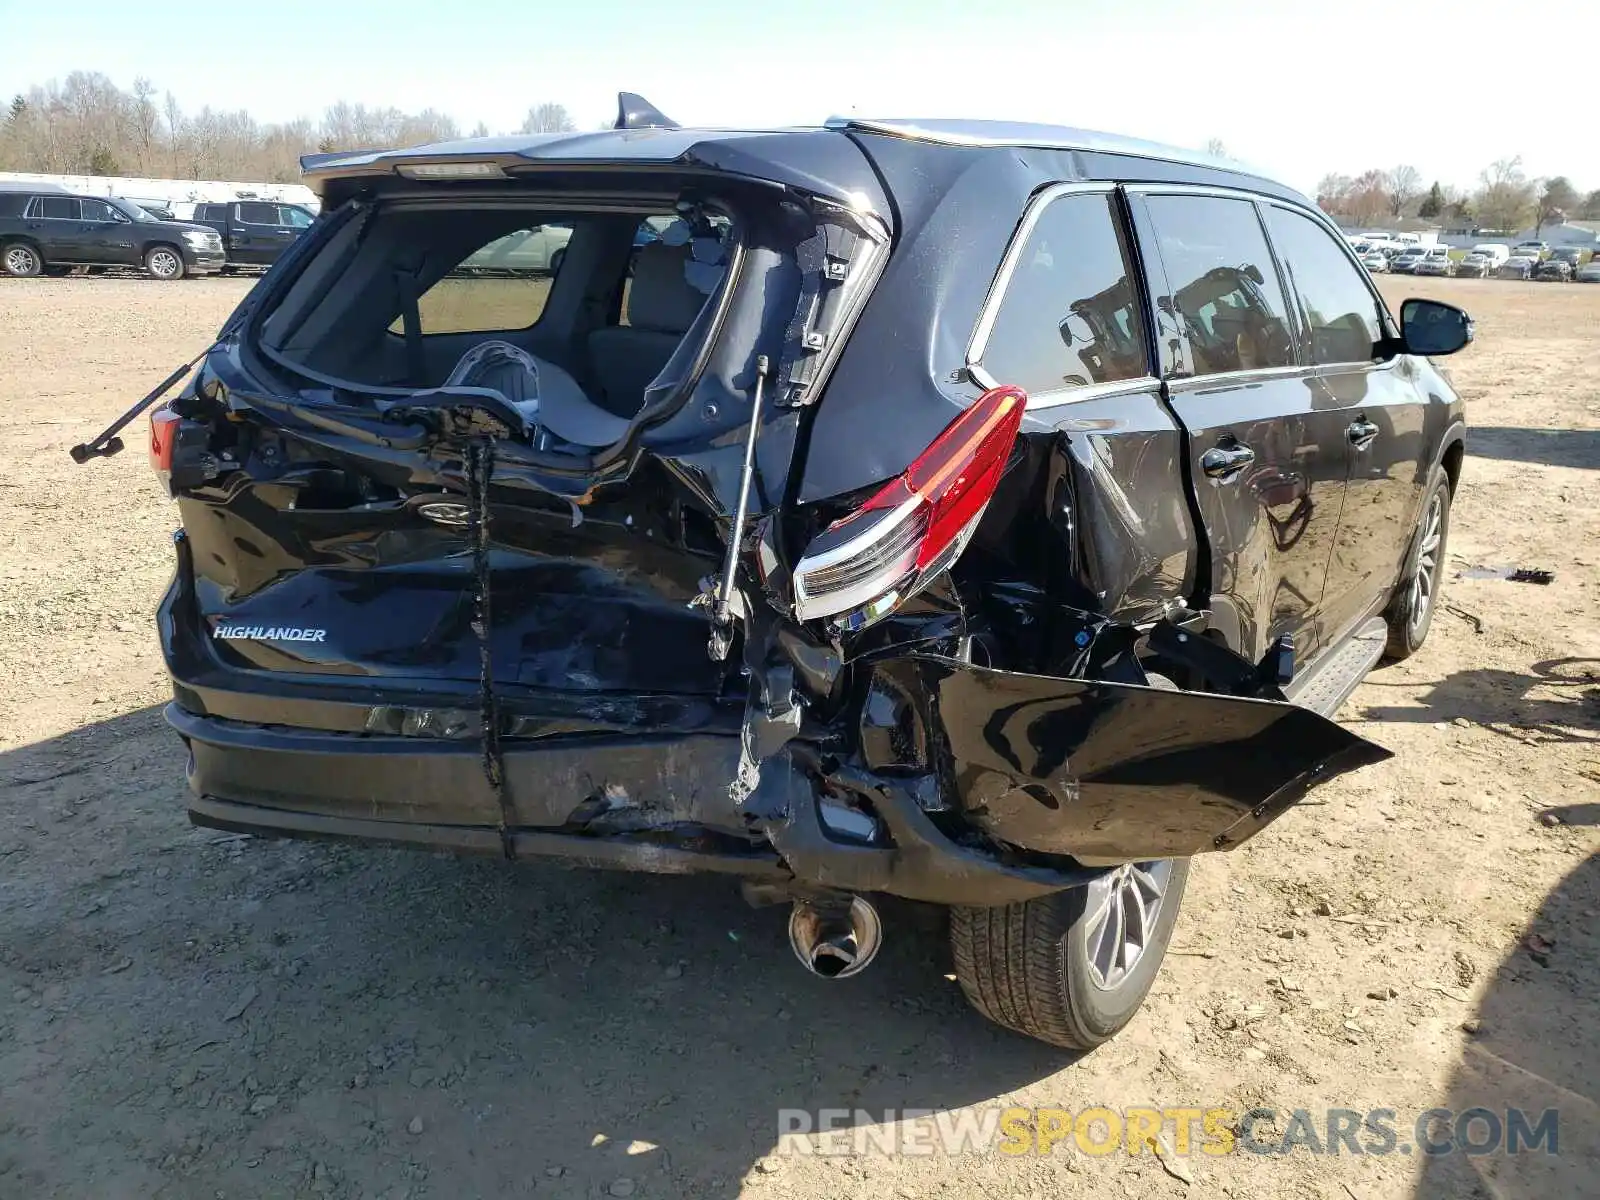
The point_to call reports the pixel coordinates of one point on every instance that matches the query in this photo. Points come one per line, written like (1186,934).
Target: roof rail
(1046,137)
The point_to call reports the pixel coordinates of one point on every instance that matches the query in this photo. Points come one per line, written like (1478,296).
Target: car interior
(577,348)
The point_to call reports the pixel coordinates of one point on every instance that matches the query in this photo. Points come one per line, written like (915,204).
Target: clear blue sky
(1297,88)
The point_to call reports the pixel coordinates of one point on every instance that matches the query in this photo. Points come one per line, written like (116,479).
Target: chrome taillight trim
(812,605)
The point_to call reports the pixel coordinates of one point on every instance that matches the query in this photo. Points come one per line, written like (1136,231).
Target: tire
(556,259)
(164,262)
(1411,611)
(20,260)
(1028,966)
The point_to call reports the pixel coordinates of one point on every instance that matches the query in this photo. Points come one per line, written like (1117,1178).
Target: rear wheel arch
(1454,452)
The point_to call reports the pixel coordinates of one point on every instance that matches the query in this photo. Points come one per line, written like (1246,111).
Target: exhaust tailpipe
(833,941)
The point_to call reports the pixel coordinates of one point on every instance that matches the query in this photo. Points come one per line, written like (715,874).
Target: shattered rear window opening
(569,315)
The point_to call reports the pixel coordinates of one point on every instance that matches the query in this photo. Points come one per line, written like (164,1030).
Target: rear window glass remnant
(1069,317)
(1225,285)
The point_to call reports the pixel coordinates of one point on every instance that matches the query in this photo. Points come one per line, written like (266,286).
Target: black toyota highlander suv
(51,232)
(990,515)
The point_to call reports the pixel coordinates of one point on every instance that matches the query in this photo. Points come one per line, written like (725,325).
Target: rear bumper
(949,782)
(660,806)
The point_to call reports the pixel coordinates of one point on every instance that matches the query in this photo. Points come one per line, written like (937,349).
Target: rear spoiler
(633,112)
(310,162)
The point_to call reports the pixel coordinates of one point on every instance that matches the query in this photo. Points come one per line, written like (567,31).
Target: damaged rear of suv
(760,545)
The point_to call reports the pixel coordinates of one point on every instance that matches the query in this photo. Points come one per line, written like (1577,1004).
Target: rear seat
(624,359)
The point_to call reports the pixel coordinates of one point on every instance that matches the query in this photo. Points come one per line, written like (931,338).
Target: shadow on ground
(1551,447)
(1536,1050)
(1554,700)
(192,1014)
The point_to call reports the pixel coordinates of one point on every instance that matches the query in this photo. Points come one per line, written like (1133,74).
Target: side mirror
(1432,328)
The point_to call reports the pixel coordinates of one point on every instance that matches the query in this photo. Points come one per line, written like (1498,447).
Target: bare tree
(1404,184)
(1368,200)
(174,116)
(480,130)
(86,124)
(146,125)
(1506,200)
(1591,206)
(1332,193)
(548,118)
(1216,148)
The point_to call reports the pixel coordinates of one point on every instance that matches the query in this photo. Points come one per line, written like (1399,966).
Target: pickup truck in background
(254,232)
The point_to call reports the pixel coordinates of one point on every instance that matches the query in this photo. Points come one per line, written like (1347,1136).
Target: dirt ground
(184,1014)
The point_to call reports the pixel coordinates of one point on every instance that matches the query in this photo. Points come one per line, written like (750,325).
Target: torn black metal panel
(1101,771)
(920,864)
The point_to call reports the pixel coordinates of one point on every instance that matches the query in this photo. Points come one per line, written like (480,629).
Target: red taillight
(163,438)
(869,562)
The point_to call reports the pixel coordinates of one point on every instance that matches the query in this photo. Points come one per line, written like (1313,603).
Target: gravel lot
(189,1015)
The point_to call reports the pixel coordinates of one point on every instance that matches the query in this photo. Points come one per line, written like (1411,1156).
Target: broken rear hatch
(385,397)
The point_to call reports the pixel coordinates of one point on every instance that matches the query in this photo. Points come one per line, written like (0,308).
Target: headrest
(661,298)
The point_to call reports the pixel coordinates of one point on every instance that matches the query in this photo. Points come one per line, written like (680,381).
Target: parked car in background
(1496,251)
(161,210)
(1589,272)
(1476,266)
(1518,266)
(254,232)
(1571,255)
(932,649)
(537,250)
(1536,249)
(1375,261)
(1435,260)
(1553,270)
(51,232)
(1405,263)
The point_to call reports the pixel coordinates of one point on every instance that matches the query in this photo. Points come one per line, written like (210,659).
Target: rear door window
(1341,313)
(58,208)
(256,213)
(1225,287)
(1070,316)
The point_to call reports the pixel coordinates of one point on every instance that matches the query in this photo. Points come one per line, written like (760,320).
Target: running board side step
(1327,686)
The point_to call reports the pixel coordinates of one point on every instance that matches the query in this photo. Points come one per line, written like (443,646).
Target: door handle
(1226,460)
(1361,433)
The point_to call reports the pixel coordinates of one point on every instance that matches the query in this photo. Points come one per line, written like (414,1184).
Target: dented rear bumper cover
(968,785)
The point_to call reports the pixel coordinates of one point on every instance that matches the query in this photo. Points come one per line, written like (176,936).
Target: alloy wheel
(1124,905)
(164,264)
(1423,582)
(20,261)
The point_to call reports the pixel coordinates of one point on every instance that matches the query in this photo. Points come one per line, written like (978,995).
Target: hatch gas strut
(722,611)
(106,442)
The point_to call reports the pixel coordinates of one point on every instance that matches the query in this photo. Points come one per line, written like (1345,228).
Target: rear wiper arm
(106,442)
